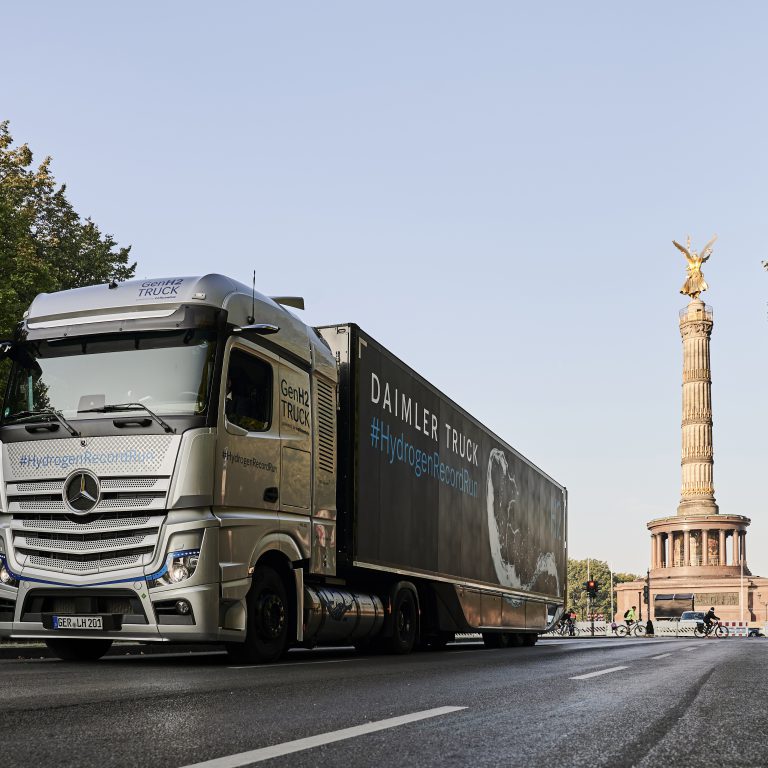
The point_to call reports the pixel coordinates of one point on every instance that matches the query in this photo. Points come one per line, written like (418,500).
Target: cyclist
(708,617)
(630,616)
(568,621)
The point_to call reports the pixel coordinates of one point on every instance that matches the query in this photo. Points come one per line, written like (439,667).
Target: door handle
(270,494)
(42,427)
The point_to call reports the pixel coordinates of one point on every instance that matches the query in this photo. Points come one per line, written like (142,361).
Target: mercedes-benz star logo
(81,492)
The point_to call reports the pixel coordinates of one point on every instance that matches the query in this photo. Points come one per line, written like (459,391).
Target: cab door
(296,439)
(248,459)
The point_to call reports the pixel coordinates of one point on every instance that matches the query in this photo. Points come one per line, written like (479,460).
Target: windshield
(169,372)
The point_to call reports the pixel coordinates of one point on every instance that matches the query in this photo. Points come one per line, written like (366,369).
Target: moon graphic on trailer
(517,558)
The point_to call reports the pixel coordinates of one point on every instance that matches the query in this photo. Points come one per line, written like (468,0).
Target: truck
(185,461)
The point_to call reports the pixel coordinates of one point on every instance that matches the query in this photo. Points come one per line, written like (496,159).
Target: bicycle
(566,629)
(622,630)
(706,630)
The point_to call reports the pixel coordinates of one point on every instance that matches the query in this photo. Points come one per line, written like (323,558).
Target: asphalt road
(631,702)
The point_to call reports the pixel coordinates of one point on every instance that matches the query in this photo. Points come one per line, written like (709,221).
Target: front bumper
(141,614)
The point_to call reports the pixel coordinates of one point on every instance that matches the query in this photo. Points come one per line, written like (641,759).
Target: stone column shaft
(686,548)
(721,553)
(697,492)
(705,547)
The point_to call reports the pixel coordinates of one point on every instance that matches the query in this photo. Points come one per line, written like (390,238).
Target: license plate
(78,622)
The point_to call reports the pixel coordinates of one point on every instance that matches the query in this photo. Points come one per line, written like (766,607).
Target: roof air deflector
(297,302)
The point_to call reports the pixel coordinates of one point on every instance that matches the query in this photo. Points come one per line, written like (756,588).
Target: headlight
(179,566)
(7,577)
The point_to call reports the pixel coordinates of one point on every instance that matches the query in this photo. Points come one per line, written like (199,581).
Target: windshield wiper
(113,408)
(17,418)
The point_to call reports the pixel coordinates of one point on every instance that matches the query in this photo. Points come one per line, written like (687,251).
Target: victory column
(698,550)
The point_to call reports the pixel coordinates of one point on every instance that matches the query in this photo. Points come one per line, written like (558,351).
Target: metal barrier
(661,628)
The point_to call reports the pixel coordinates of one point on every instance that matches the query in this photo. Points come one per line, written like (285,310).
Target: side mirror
(19,353)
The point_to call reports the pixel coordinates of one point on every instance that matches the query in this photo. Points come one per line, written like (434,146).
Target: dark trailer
(428,492)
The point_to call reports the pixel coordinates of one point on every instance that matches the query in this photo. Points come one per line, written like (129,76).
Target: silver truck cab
(166,445)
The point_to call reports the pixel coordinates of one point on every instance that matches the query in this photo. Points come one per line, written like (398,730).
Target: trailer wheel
(79,650)
(404,622)
(495,640)
(529,639)
(266,637)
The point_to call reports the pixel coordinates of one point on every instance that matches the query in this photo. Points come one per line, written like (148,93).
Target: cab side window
(248,402)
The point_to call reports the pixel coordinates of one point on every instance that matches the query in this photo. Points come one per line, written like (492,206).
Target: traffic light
(646,593)
(591,586)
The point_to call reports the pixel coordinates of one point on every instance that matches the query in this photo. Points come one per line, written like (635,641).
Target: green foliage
(44,244)
(601,573)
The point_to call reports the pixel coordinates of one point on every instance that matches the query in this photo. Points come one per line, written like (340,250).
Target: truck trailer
(184,460)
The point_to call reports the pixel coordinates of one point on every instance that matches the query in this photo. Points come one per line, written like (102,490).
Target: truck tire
(79,650)
(495,640)
(267,623)
(404,622)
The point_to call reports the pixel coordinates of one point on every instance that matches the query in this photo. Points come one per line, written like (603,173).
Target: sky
(489,189)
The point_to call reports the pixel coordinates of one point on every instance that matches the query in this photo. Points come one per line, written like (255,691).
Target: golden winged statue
(695,283)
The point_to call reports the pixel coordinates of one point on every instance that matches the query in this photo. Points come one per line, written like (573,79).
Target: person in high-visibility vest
(630,616)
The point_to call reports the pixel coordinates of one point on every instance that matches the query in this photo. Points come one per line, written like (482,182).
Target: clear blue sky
(490,189)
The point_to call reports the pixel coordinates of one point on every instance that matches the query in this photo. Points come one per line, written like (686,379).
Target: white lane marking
(663,656)
(596,674)
(295,664)
(266,753)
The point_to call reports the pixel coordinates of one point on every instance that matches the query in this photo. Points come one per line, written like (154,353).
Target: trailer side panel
(430,490)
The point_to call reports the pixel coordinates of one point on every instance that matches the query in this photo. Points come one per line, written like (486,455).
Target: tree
(44,244)
(601,573)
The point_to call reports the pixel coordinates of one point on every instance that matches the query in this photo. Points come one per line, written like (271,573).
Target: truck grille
(124,603)
(122,530)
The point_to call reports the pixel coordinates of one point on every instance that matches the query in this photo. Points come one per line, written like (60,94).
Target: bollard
(649,628)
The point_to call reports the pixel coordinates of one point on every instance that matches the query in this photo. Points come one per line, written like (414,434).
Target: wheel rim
(404,621)
(272,616)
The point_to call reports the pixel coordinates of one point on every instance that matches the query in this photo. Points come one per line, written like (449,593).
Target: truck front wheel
(266,637)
